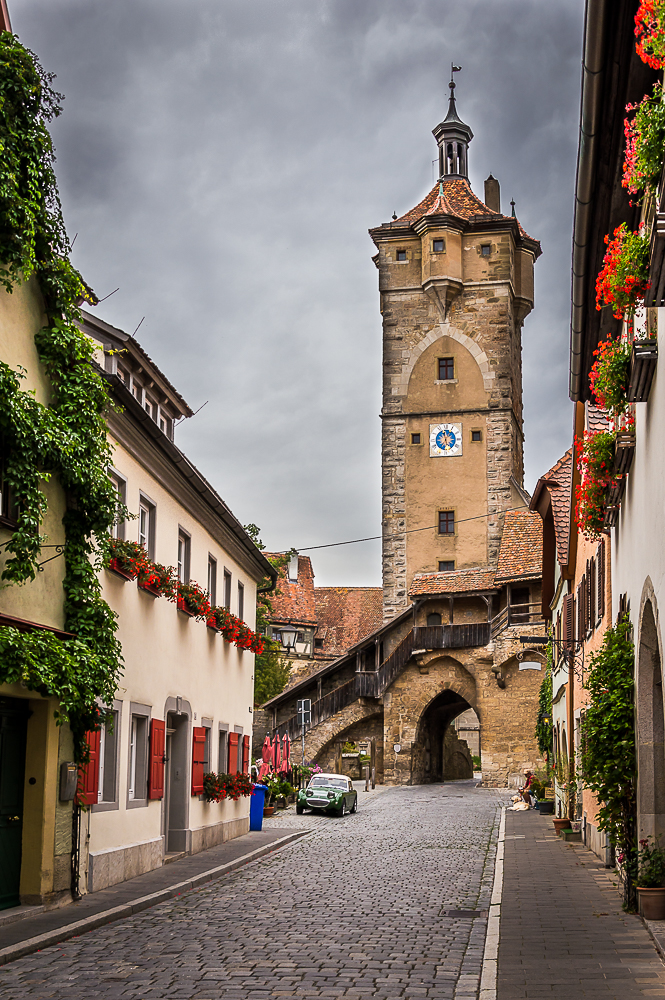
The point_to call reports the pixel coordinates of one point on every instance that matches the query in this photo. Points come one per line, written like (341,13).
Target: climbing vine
(68,437)
(608,739)
(544,729)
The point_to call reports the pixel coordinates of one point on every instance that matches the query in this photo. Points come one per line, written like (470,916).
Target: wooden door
(13,728)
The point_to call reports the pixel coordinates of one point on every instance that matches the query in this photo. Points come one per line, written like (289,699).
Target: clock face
(445,440)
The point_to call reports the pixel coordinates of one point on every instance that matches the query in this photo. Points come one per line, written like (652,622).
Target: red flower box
(183,607)
(115,567)
(212,624)
(149,589)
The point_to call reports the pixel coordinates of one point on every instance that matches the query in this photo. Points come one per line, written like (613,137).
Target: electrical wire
(408,531)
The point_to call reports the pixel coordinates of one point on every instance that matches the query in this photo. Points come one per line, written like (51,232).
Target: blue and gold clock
(445,440)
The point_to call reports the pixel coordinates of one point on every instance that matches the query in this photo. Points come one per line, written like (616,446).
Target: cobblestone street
(358,909)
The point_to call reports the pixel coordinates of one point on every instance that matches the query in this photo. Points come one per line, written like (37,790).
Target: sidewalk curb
(90,923)
(488,976)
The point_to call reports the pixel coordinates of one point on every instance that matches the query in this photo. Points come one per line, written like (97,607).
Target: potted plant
(193,600)
(561,824)
(127,559)
(624,277)
(645,139)
(608,377)
(595,461)
(651,879)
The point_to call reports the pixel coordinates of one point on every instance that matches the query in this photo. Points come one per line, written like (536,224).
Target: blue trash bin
(256,807)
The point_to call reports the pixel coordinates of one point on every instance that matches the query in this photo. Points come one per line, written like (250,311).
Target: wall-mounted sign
(397,747)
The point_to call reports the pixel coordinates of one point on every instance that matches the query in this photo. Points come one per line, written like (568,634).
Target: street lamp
(288,637)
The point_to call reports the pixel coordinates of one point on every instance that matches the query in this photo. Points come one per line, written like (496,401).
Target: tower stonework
(456,283)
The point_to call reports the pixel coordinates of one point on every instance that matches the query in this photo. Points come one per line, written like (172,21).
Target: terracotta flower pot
(652,903)
(268,810)
(561,824)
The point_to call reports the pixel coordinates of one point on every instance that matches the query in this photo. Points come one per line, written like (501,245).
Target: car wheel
(300,810)
(342,809)
(354,807)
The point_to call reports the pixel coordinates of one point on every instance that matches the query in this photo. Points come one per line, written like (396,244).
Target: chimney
(493,194)
(293,568)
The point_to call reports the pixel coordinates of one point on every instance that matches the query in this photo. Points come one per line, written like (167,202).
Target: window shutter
(568,620)
(233,753)
(198,756)
(579,634)
(245,754)
(591,596)
(157,748)
(601,579)
(88,783)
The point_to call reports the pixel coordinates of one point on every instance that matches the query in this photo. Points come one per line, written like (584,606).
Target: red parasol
(277,749)
(266,754)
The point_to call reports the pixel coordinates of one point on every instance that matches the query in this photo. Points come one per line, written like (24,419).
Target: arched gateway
(462,553)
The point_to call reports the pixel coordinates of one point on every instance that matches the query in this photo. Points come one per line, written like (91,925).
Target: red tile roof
(345,615)
(596,419)
(558,482)
(454,197)
(521,553)
(293,602)
(460,581)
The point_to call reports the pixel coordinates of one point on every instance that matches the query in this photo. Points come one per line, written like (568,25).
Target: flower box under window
(115,567)
(150,588)
(625,450)
(642,368)
(185,610)
(212,625)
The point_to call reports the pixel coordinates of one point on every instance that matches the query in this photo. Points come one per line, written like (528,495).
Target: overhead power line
(408,531)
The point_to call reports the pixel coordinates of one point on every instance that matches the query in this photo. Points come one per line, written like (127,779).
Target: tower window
(446,565)
(401,255)
(415,439)
(446,522)
(476,435)
(486,249)
(439,246)
(446,369)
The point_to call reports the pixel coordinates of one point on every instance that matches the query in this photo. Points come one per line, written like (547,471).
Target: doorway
(441,755)
(13,730)
(176,797)
(650,730)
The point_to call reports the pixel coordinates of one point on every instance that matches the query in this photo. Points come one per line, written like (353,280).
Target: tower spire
(453,137)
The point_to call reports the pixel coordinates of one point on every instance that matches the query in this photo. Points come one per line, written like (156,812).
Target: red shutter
(233,753)
(245,754)
(591,602)
(88,784)
(198,757)
(568,621)
(157,748)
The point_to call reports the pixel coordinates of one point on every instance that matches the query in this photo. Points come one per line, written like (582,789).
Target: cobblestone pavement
(357,910)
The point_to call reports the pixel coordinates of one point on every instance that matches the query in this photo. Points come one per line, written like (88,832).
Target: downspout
(587,154)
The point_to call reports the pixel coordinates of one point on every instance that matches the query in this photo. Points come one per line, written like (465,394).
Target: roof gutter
(587,154)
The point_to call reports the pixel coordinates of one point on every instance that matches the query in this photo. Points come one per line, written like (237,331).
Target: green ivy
(544,730)
(68,438)
(608,764)
(271,670)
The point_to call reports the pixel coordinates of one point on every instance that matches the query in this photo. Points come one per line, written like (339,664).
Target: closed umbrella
(266,755)
(277,759)
(285,753)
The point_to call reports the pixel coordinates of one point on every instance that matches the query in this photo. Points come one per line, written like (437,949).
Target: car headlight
(332,795)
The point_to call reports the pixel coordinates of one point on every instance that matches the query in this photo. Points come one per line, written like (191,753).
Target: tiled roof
(460,581)
(521,552)
(294,601)
(558,482)
(345,615)
(596,419)
(454,197)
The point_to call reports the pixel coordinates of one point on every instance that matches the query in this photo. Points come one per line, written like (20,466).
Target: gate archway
(438,753)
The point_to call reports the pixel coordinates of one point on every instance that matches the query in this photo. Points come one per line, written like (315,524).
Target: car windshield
(322,782)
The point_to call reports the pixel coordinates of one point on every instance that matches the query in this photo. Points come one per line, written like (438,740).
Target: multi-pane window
(147,526)
(486,249)
(223,757)
(446,522)
(108,758)
(120,486)
(150,407)
(227,590)
(165,425)
(184,546)
(446,565)
(207,767)
(446,369)
(241,601)
(212,579)
(138,744)
(137,390)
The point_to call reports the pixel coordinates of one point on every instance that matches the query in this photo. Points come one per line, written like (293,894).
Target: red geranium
(624,277)
(650,33)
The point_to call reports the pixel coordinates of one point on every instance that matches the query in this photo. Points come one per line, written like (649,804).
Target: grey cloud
(222,161)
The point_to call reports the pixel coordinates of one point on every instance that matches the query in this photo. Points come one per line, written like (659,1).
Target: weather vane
(453,69)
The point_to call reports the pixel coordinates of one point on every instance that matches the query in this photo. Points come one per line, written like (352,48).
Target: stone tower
(456,283)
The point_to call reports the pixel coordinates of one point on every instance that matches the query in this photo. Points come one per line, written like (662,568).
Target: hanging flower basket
(645,143)
(595,461)
(608,377)
(624,277)
(650,33)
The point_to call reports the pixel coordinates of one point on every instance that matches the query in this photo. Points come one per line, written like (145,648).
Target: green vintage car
(328,793)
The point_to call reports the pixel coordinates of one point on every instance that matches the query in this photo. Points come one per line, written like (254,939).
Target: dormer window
(165,425)
(401,255)
(136,390)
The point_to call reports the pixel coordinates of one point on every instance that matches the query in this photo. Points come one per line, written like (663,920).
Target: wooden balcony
(642,367)
(517,614)
(624,450)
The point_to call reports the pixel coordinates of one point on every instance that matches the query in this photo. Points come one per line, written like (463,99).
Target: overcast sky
(222,161)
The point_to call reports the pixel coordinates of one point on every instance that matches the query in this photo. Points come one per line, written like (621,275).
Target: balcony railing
(517,614)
